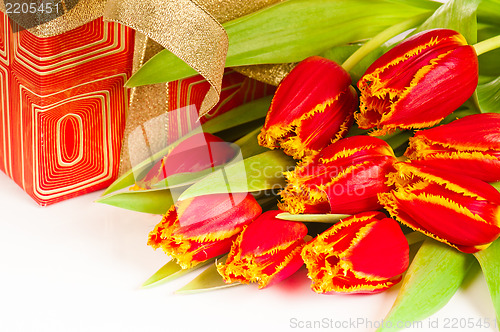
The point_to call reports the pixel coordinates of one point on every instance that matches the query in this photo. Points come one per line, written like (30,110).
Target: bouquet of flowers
(383,140)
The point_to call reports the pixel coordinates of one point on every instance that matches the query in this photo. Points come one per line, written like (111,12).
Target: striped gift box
(62,107)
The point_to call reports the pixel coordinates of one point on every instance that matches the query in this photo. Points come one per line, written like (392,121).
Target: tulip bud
(203,227)
(194,154)
(312,107)
(418,82)
(343,178)
(267,251)
(364,253)
(458,210)
(468,146)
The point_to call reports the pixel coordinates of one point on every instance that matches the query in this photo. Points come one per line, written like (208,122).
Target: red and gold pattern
(63,108)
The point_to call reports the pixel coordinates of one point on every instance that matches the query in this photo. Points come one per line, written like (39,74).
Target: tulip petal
(222,213)
(267,251)
(365,253)
(195,230)
(312,107)
(253,243)
(469,146)
(344,178)
(461,211)
(374,257)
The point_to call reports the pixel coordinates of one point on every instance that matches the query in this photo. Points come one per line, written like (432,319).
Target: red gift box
(63,107)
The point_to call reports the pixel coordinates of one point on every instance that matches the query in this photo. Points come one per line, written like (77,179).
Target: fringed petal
(267,251)
(365,253)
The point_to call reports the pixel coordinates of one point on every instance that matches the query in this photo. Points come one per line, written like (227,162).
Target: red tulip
(196,153)
(312,107)
(203,227)
(267,251)
(365,253)
(344,178)
(418,82)
(459,210)
(468,146)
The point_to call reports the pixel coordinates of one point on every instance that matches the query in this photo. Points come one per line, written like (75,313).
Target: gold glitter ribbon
(184,28)
(176,26)
(189,29)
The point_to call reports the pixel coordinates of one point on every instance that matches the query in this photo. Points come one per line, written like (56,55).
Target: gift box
(63,107)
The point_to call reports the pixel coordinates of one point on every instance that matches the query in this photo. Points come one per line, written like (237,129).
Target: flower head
(345,177)
(312,107)
(418,82)
(459,210)
(267,251)
(364,253)
(468,146)
(203,227)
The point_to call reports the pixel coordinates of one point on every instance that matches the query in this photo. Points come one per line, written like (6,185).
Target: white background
(77,266)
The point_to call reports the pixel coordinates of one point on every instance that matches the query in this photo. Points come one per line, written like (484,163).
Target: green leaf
(323,218)
(183,179)
(489,259)
(489,96)
(436,273)
(208,280)
(458,15)
(261,172)
(171,271)
(150,201)
(245,113)
(489,12)
(289,31)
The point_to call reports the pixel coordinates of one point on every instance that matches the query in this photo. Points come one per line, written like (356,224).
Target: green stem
(487,45)
(496,185)
(381,38)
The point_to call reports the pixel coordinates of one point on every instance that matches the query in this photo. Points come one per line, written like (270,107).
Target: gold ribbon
(184,28)
(189,29)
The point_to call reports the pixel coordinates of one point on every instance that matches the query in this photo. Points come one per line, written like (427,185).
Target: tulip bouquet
(344,180)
